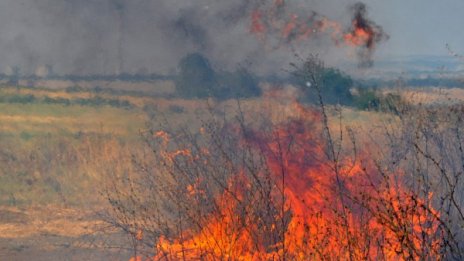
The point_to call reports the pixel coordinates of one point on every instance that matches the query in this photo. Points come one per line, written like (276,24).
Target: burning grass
(232,187)
(273,191)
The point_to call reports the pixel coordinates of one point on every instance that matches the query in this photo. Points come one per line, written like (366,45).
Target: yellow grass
(53,220)
(43,118)
(43,144)
(432,95)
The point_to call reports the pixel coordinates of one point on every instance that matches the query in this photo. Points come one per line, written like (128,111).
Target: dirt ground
(52,233)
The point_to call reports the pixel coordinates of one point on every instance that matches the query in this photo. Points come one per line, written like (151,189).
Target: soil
(53,233)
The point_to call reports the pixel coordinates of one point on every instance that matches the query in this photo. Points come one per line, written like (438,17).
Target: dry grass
(77,146)
(432,95)
(44,118)
(160,87)
(39,220)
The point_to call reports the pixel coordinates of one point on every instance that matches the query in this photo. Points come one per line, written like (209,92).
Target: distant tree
(13,73)
(196,78)
(335,86)
(366,99)
(44,71)
(238,84)
(369,99)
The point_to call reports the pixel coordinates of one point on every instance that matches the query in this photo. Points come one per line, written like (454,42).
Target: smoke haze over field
(146,36)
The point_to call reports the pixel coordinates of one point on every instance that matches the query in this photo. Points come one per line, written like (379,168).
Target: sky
(150,36)
(420,27)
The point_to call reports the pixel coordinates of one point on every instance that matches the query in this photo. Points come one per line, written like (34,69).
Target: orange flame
(359,37)
(318,218)
(288,28)
(278,23)
(257,25)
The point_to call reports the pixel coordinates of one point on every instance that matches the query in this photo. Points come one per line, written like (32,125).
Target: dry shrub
(299,189)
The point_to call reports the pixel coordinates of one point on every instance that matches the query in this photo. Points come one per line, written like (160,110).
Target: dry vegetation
(62,157)
(433,95)
(290,182)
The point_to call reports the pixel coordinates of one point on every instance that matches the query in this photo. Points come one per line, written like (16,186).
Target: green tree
(238,84)
(14,74)
(366,99)
(334,86)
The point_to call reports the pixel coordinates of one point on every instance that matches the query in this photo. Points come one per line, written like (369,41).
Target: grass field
(59,142)
(46,147)
(59,147)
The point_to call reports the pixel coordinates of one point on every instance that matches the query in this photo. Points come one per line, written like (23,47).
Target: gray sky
(420,27)
(90,36)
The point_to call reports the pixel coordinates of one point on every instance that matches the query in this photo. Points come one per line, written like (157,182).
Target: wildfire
(257,25)
(277,22)
(363,31)
(348,213)
(359,37)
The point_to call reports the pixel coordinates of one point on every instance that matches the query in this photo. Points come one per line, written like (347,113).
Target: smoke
(364,34)
(118,5)
(114,36)
(287,26)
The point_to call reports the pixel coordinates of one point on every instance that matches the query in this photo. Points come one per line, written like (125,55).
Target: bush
(97,89)
(120,104)
(239,84)
(96,101)
(75,88)
(334,86)
(17,98)
(25,135)
(57,100)
(99,101)
(368,99)
(176,108)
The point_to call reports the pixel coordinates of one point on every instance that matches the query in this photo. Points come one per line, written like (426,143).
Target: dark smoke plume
(151,36)
(364,34)
(281,24)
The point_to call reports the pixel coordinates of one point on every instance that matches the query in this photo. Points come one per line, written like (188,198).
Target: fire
(290,26)
(320,209)
(222,238)
(287,27)
(359,37)
(257,25)
(363,32)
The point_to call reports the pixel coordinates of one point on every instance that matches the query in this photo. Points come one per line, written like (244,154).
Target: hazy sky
(90,36)
(420,27)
